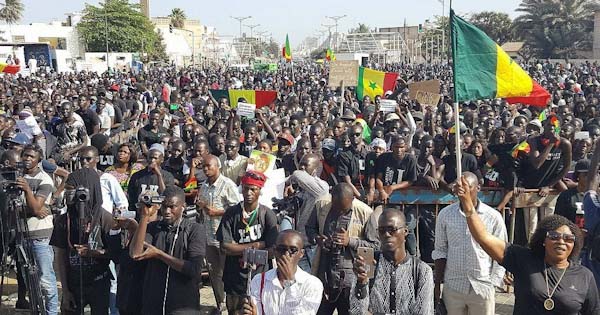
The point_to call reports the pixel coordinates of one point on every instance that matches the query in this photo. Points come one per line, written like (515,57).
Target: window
(54,42)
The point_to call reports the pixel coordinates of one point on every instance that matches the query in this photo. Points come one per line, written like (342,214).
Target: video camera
(150,200)
(10,175)
(287,206)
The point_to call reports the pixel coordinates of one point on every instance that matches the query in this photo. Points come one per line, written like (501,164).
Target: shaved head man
(215,195)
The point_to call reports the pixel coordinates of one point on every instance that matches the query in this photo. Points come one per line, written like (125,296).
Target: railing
(420,196)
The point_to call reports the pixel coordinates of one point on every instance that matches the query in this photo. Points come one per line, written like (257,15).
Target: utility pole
(336,19)
(241,19)
(443,2)
(251,27)
(329,27)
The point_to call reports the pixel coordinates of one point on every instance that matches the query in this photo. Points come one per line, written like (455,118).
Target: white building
(64,43)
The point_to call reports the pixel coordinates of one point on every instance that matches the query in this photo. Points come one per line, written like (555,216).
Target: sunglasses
(86,158)
(284,249)
(389,229)
(254,176)
(555,236)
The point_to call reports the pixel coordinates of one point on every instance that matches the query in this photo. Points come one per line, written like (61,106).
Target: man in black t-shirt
(397,170)
(468,164)
(245,225)
(152,179)
(90,118)
(152,132)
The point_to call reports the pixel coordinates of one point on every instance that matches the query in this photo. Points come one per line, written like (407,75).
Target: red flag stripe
(539,97)
(264,98)
(389,81)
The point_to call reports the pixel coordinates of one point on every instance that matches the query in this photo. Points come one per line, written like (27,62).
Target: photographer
(82,238)
(37,188)
(174,249)
(153,178)
(311,188)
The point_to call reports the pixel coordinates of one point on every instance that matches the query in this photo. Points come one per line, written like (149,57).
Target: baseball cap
(378,143)
(20,138)
(287,137)
(536,122)
(582,166)
(328,144)
(158,147)
(392,117)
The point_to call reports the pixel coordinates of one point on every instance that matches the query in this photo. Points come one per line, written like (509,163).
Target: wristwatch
(288,283)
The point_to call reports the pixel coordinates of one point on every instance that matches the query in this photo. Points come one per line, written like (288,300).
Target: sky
(298,18)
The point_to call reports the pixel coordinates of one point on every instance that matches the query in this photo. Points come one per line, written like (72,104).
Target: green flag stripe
(475,60)
(359,87)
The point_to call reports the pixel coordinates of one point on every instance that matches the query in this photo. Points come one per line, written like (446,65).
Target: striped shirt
(222,194)
(467,264)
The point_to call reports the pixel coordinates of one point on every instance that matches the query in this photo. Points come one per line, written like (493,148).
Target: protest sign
(343,70)
(388,106)
(246,110)
(425,92)
(261,162)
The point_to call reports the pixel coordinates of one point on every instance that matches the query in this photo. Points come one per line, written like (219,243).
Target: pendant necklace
(549,302)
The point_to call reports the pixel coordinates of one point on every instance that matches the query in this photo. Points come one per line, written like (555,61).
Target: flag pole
(456,109)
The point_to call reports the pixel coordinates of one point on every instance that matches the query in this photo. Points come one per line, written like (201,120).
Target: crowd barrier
(424,196)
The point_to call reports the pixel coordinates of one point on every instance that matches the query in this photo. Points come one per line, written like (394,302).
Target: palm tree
(177,17)
(11,11)
(556,28)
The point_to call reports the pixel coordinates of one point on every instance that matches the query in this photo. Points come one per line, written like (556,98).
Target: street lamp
(336,19)
(241,19)
(251,27)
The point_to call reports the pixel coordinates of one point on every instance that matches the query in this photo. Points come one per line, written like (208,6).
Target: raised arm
(491,244)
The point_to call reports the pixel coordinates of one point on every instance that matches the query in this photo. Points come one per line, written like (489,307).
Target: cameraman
(174,248)
(37,187)
(83,244)
(310,188)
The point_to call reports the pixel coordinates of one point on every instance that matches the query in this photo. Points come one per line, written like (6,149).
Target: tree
(556,28)
(177,18)
(123,25)
(497,25)
(318,54)
(432,39)
(362,28)
(11,11)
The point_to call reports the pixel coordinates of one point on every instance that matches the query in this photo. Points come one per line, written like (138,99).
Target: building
(190,34)
(145,7)
(65,48)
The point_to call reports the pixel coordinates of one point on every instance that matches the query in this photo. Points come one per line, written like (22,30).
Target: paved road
(504,301)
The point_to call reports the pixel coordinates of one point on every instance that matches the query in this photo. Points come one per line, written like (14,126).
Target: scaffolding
(387,47)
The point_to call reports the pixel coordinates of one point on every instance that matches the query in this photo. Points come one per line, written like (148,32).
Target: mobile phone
(255,257)
(368,256)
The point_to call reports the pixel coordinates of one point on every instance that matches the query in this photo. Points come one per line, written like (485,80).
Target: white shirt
(112,193)
(467,264)
(301,298)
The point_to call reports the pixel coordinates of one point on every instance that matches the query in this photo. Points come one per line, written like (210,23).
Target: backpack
(593,243)
(415,272)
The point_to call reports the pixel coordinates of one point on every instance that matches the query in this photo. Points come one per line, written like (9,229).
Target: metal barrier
(420,196)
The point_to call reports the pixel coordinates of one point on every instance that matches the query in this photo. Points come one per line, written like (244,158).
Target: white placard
(388,106)
(246,110)
(582,135)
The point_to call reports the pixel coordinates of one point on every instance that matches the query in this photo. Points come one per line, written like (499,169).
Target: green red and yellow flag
(330,56)
(482,70)
(12,69)
(520,147)
(260,98)
(287,50)
(372,82)
(191,184)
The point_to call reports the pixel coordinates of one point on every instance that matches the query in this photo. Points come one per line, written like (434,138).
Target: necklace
(549,302)
(252,216)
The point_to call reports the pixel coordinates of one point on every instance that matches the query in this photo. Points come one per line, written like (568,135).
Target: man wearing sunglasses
(394,265)
(286,289)
(351,162)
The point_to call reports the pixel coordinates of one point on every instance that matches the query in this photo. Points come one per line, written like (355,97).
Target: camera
(149,200)
(287,206)
(10,175)
(82,194)
(123,213)
(190,212)
(255,257)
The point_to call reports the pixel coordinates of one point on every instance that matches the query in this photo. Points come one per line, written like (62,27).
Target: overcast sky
(298,18)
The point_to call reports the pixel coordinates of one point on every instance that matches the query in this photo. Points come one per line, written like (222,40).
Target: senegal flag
(372,82)
(260,98)
(482,70)
(12,69)
(287,50)
(330,56)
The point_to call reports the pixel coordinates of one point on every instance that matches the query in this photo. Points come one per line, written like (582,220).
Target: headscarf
(254,178)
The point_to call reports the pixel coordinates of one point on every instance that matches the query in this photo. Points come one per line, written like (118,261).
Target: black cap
(582,166)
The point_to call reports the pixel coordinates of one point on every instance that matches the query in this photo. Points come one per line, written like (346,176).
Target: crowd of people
(134,185)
